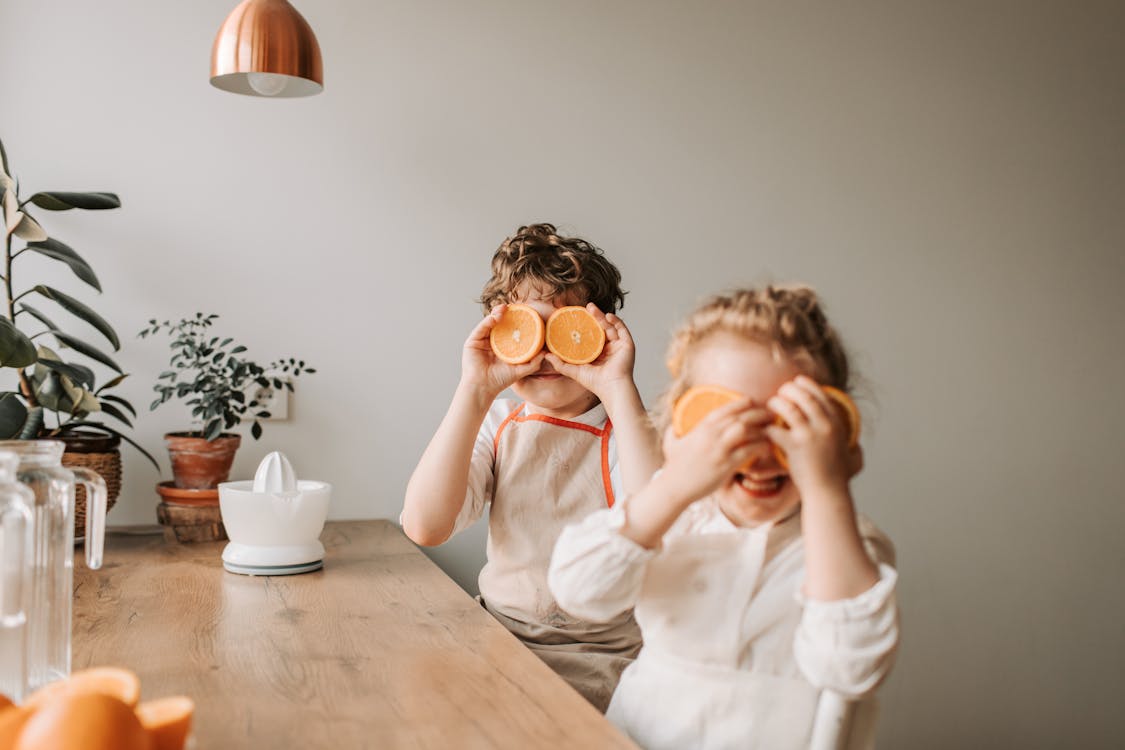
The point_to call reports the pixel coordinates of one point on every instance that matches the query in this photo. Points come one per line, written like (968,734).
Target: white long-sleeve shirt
(734,655)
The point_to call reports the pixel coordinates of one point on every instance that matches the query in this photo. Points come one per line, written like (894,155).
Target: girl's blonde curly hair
(790,319)
(555,266)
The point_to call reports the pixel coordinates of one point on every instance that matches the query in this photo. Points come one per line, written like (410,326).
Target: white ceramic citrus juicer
(274,522)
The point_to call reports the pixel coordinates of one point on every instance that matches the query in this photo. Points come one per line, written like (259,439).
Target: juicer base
(273,570)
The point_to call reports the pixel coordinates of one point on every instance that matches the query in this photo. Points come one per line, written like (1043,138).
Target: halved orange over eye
(846,406)
(518,336)
(696,403)
(699,401)
(574,335)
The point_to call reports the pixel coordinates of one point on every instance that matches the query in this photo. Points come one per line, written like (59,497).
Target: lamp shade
(266,48)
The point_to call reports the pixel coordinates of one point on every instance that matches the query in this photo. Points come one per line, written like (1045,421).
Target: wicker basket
(97,453)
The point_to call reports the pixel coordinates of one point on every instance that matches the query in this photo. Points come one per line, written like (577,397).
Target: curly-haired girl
(759,592)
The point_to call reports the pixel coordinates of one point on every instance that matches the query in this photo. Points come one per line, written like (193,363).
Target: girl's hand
(480,368)
(613,369)
(816,440)
(707,457)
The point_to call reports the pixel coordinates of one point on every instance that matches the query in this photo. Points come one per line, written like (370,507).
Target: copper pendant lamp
(266,48)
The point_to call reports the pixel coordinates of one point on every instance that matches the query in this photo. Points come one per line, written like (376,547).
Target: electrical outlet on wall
(273,400)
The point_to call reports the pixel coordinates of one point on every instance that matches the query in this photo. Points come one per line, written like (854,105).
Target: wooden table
(378,650)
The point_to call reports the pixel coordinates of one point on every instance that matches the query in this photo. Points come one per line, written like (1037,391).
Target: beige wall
(948,174)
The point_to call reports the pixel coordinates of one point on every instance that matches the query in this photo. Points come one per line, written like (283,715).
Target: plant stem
(25,385)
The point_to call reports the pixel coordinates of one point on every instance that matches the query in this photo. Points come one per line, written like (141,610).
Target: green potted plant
(54,397)
(224,388)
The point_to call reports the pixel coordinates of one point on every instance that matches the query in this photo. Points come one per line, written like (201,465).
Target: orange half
(697,403)
(574,335)
(847,408)
(168,721)
(518,336)
(118,682)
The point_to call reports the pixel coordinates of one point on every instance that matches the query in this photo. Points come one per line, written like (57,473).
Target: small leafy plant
(213,376)
(48,383)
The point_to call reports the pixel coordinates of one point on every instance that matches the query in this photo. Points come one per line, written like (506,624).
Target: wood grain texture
(378,650)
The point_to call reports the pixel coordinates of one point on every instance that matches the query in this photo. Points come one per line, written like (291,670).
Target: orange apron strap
(500,430)
(606,480)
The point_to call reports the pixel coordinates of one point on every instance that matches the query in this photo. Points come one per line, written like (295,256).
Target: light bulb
(267,84)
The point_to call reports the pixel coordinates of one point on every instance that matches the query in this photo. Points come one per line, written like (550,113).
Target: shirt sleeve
(849,645)
(615,470)
(596,573)
(481,466)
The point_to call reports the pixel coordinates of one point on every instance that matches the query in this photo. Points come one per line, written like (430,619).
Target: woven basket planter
(98,453)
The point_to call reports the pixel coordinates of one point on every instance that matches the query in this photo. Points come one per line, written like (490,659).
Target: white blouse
(734,655)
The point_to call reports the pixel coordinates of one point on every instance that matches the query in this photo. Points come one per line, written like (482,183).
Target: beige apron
(550,473)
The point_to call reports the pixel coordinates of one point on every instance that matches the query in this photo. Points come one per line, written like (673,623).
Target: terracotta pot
(173,495)
(199,464)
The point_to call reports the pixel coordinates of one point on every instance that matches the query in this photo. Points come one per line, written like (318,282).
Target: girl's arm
(595,573)
(599,565)
(836,564)
(438,487)
(697,465)
(848,634)
(850,645)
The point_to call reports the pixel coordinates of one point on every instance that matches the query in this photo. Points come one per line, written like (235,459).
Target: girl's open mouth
(761,486)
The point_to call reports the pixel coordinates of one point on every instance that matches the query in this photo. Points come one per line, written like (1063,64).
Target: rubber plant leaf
(71,305)
(55,201)
(13,415)
(16,350)
(39,316)
(60,251)
(82,347)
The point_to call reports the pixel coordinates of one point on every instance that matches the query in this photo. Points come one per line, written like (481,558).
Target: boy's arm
(437,488)
(610,378)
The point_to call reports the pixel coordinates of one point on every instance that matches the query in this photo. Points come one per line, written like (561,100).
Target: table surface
(380,649)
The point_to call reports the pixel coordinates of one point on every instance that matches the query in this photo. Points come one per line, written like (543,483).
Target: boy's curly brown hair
(554,265)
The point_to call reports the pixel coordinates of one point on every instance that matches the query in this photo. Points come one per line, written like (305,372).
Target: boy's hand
(816,441)
(613,368)
(703,460)
(480,368)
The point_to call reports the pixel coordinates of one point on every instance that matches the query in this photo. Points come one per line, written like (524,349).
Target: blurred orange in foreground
(12,720)
(116,681)
(168,721)
(95,709)
(84,721)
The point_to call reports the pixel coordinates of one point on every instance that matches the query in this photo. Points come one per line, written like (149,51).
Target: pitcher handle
(97,498)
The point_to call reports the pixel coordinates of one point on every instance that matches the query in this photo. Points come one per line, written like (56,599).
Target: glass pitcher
(52,571)
(16,502)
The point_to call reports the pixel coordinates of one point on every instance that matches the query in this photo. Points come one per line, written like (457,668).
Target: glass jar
(16,502)
(52,569)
